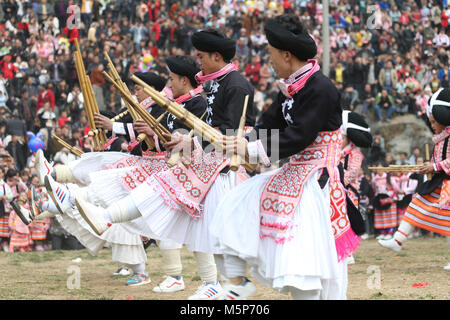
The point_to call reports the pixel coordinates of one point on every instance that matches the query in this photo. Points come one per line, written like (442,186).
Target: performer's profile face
(176,84)
(437,127)
(207,62)
(278,62)
(140,93)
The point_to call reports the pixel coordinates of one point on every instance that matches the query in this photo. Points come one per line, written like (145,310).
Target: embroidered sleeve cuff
(118,128)
(256,150)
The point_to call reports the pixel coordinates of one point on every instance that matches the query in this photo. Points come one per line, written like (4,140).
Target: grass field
(377,274)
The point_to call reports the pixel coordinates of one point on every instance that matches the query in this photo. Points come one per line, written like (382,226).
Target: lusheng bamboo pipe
(76,151)
(176,156)
(92,133)
(81,80)
(115,75)
(210,134)
(236,159)
(88,94)
(143,114)
(147,117)
(81,72)
(396,168)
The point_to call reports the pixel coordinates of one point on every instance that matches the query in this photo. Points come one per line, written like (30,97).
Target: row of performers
(295,226)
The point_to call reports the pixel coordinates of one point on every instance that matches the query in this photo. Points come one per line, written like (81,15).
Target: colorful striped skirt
(4,227)
(424,212)
(20,239)
(384,219)
(38,232)
(400,214)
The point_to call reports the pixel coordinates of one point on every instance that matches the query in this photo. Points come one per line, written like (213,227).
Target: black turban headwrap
(183,66)
(152,79)
(356,128)
(439,105)
(213,41)
(302,45)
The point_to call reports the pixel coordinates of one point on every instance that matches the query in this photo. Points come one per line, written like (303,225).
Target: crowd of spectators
(386,57)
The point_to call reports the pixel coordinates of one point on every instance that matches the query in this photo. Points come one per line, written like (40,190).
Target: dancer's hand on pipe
(234,145)
(102,122)
(178,142)
(142,127)
(427,167)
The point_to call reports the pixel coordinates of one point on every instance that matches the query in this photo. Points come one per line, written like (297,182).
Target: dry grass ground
(44,275)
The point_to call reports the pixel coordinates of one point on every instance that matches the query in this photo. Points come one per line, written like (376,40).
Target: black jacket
(20,154)
(314,108)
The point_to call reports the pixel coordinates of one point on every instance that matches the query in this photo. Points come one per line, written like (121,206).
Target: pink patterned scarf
(441,136)
(190,94)
(294,84)
(212,76)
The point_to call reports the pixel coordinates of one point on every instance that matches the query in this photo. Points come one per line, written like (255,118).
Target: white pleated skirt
(81,230)
(307,262)
(91,162)
(107,186)
(127,248)
(163,219)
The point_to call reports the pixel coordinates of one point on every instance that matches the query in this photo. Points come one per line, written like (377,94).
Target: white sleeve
(118,128)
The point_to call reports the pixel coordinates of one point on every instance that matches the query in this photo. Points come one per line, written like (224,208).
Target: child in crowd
(385,208)
(39,230)
(20,232)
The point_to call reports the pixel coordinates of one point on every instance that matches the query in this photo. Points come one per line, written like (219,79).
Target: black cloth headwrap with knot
(213,41)
(302,45)
(182,68)
(152,79)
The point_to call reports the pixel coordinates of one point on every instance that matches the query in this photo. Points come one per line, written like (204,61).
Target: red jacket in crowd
(62,121)
(23,26)
(153,12)
(71,34)
(252,71)
(444,19)
(44,96)
(286,4)
(7,68)
(157,30)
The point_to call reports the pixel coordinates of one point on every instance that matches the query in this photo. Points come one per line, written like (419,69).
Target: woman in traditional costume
(290,225)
